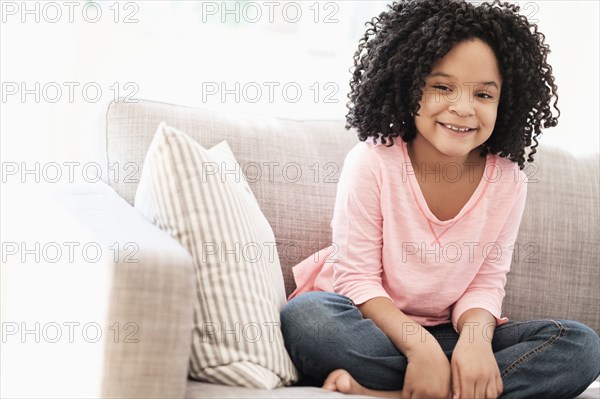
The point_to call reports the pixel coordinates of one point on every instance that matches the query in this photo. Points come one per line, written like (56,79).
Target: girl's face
(462,91)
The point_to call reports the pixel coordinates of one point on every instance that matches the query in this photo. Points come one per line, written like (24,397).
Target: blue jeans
(324,331)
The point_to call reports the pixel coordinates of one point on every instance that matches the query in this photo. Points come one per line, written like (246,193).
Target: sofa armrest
(151,296)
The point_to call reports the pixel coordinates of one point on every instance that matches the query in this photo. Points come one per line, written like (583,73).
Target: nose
(463,105)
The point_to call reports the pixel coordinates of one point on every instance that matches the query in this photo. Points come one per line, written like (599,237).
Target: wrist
(475,339)
(477,332)
(427,345)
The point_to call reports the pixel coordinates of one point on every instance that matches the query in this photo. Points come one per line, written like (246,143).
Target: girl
(407,303)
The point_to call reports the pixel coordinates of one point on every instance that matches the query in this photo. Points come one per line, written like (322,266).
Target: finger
(455,381)
(491,391)
(467,388)
(481,388)
(499,385)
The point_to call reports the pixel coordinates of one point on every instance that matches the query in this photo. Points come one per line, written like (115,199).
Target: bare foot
(340,380)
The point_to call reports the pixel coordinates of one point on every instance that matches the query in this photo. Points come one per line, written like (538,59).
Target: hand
(475,372)
(427,374)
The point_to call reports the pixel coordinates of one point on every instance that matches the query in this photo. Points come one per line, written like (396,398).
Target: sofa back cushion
(555,270)
(293,166)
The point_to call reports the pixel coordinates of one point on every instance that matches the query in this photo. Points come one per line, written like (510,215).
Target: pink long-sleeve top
(387,243)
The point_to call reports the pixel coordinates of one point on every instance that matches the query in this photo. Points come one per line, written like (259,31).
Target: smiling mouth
(457,129)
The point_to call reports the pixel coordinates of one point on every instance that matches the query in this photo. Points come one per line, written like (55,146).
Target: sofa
(554,274)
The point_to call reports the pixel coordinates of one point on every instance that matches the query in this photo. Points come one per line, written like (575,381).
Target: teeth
(456,129)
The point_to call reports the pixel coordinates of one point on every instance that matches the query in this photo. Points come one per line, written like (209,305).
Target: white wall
(170,54)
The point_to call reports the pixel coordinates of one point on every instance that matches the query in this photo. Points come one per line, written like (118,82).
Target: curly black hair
(400,46)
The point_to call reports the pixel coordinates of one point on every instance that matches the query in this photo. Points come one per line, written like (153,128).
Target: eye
(441,87)
(484,95)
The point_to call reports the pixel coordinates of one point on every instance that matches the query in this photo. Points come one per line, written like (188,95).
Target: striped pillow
(192,193)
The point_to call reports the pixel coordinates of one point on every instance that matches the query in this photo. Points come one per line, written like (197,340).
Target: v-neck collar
(440,227)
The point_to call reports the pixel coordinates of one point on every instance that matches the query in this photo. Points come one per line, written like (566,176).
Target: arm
(475,371)
(486,291)
(428,371)
(358,230)
(406,334)
(477,325)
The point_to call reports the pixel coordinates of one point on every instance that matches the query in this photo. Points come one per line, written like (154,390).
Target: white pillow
(197,196)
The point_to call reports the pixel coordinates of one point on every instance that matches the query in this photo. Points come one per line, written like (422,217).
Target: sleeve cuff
(363,292)
(469,303)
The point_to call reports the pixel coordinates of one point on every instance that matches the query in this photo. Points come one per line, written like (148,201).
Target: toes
(331,380)
(329,385)
(344,383)
(335,378)
(340,380)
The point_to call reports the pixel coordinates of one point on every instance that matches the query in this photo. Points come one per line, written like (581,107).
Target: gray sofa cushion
(293,168)
(150,296)
(556,273)
(211,391)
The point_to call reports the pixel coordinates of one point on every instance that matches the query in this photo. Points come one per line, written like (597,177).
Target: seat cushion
(198,390)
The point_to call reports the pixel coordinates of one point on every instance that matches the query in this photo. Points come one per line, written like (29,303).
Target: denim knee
(584,345)
(309,316)
(307,327)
